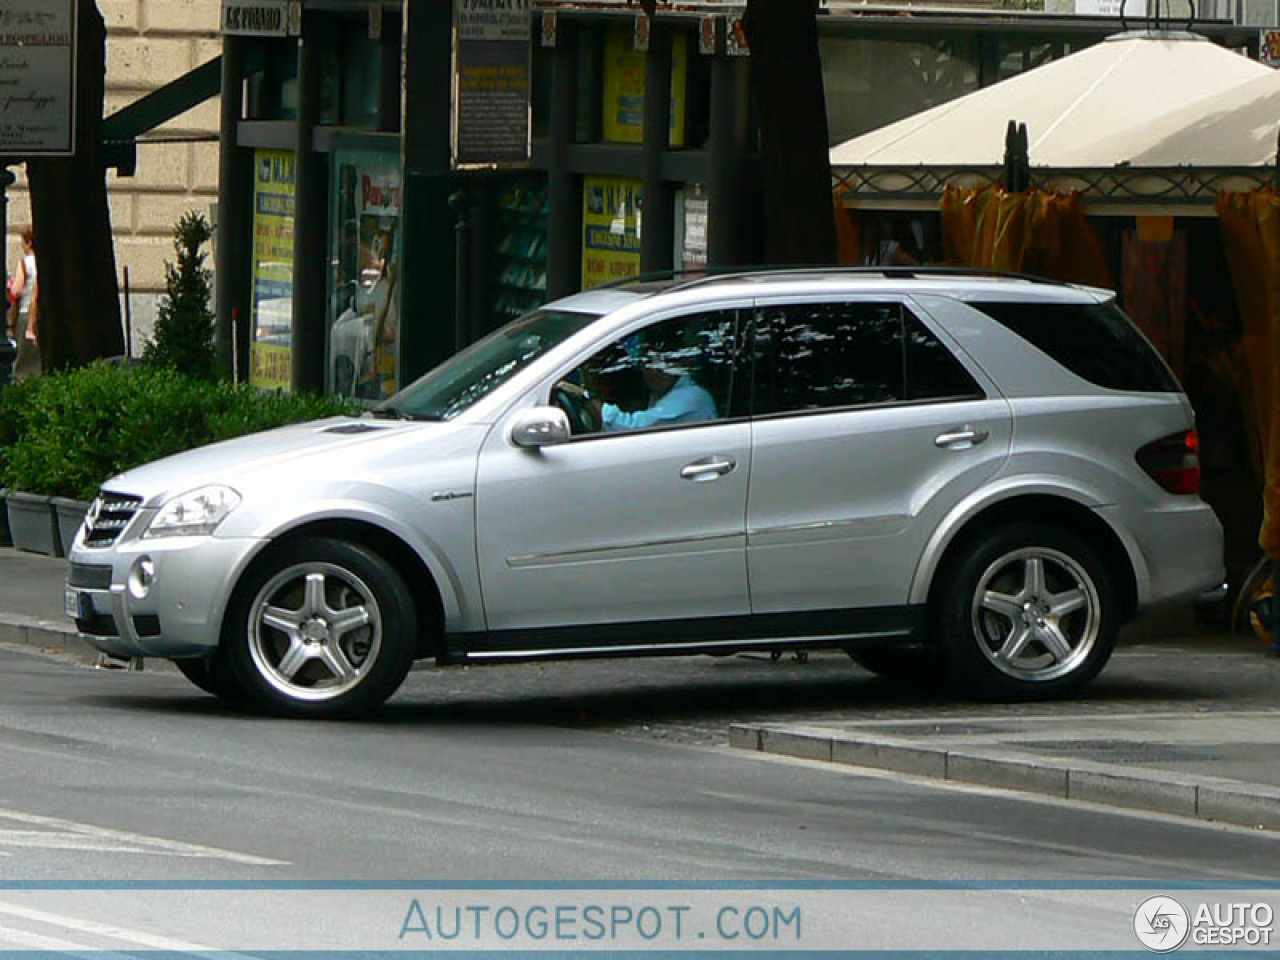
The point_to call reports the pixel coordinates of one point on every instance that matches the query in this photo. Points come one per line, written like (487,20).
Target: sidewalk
(1183,721)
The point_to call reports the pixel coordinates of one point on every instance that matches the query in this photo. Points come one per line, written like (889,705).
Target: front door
(640,517)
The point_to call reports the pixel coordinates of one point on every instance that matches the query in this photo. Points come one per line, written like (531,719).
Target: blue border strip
(428,885)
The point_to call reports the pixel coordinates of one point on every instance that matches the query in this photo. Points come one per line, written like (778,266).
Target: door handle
(708,468)
(961,438)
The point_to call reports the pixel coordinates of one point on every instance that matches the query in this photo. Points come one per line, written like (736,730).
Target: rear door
(868,428)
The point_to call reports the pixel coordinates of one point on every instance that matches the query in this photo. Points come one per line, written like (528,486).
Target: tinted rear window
(1095,341)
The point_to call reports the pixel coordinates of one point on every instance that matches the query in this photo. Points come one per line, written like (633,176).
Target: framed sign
(38,77)
(491,84)
(261,18)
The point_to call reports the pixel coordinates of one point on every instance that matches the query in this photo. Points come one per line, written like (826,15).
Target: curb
(46,634)
(1234,802)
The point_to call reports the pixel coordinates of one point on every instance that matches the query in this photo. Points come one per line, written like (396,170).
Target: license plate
(77,605)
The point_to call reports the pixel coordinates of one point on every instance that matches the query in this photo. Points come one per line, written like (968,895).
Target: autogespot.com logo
(1161,924)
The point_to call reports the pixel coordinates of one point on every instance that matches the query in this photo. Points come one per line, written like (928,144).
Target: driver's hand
(571,388)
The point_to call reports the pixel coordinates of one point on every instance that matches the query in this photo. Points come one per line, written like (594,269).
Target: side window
(933,373)
(814,356)
(677,371)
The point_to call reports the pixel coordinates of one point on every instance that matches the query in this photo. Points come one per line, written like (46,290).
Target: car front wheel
(1027,611)
(322,628)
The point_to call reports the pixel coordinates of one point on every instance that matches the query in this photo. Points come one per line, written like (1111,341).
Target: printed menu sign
(491,84)
(37,77)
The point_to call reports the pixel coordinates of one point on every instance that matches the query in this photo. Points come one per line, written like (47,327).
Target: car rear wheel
(1027,611)
(322,628)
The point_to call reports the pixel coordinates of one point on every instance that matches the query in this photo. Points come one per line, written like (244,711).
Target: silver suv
(983,475)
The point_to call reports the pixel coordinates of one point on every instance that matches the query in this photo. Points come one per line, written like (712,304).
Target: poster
(624,89)
(491,83)
(691,228)
(610,229)
(37,74)
(364,293)
(271,313)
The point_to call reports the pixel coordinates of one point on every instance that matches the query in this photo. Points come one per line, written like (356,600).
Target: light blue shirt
(685,402)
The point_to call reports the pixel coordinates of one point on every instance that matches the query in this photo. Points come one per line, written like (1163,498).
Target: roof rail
(888,272)
(705,275)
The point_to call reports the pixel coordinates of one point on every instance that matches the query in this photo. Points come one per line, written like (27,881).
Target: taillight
(1173,462)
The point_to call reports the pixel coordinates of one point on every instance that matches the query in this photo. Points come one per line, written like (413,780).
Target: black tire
(322,629)
(918,663)
(212,675)
(1009,635)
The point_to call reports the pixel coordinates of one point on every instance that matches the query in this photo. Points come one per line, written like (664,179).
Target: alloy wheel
(315,630)
(1036,614)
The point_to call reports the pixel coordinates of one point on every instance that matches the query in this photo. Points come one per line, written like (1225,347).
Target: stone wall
(150,43)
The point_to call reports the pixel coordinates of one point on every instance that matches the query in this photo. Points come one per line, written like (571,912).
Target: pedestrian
(21,326)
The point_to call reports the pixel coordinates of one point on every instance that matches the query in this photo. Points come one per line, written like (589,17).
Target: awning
(1234,128)
(1075,108)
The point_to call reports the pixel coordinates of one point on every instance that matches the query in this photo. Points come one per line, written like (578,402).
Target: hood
(332,447)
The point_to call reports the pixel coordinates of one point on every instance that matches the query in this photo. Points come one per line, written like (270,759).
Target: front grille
(94,576)
(108,515)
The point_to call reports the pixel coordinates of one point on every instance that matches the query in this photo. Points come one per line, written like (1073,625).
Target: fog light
(141,577)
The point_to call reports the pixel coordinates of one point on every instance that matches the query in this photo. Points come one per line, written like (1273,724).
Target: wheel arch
(1042,507)
(417,574)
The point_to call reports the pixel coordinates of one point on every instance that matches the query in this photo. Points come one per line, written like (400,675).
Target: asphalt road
(113,776)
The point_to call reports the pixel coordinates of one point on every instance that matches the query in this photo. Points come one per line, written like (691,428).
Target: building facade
(151,43)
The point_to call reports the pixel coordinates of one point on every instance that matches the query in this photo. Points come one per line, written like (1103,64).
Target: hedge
(65,433)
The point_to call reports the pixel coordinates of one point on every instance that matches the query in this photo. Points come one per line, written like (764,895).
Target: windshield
(481,368)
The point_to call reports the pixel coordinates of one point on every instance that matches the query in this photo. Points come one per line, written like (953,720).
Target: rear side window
(1095,341)
(816,356)
(825,356)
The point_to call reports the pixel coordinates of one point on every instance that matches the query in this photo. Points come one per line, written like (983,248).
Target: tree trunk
(79,309)
(786,75)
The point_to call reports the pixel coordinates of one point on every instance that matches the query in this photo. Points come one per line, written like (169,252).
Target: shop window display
(364,301)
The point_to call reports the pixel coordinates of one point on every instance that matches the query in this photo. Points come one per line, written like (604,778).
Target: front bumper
(178,615)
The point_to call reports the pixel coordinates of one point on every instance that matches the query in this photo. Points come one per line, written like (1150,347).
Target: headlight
(194,514)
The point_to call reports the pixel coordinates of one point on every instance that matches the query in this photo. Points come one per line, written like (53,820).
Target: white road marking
(92,927)
(11,937)
(70,835)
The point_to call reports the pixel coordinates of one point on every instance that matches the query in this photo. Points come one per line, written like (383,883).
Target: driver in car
(674,396)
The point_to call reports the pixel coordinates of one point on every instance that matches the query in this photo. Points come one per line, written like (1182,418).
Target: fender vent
(353,428)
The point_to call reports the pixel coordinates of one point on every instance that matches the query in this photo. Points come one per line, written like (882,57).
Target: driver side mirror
(540,427)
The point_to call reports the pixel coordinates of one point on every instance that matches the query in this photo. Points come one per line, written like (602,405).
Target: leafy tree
(79,318)
(184,326)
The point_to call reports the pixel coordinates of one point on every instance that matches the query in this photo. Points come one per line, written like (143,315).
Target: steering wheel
(580,419)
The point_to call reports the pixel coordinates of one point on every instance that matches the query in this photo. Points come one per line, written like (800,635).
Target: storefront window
(873,82)
(364,296)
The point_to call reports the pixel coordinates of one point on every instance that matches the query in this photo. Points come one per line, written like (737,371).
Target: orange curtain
(848,232)
(1033,232)
(1251,234)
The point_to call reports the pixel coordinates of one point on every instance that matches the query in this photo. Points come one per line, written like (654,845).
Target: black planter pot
(69,515)
(32,523)
(6,540)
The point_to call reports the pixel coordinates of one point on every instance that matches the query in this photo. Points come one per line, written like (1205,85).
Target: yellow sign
(624,89)
(610,229)
(271,314)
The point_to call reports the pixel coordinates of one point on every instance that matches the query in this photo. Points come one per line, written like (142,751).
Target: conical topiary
(183,336)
